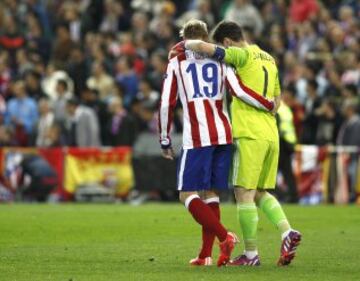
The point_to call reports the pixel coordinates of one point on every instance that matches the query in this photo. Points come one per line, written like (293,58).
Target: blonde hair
(194,29)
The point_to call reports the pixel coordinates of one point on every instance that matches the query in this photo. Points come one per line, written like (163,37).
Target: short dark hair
(313,84)
(351,88)
(228,29)
(63,83)
(291,89)
(73,101)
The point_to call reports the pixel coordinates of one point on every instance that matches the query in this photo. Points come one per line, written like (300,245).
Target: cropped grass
(155,242)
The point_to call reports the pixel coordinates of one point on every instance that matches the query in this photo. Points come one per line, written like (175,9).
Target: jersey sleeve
(168,101)
(277,91)
(234,85)
(237,57)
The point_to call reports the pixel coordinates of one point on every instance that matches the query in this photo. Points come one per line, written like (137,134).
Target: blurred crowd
(89,72)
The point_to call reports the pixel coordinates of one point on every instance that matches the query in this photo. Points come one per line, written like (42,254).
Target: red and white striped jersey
(200,84)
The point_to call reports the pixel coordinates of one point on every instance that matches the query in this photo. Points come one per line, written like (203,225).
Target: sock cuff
(246,206)
(212,200)
(189,199)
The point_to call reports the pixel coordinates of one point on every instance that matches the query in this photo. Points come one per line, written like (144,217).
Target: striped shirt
(200,83)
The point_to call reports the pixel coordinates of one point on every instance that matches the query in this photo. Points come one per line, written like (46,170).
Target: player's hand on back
(276,102)
(168,153)
(176,50)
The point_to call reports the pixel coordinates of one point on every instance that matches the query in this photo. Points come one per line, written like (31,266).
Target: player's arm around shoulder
(200,46)
(213,51)
(237,89)
(235,56)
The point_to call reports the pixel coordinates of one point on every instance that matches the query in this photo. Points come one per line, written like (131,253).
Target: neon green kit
(255,132)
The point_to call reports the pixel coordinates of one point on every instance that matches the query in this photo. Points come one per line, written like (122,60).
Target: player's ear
(227,42)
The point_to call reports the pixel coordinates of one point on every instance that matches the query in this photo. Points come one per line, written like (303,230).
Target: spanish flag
(109,167)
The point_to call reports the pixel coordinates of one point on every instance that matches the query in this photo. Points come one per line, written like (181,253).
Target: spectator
(78,69)
(139,23)
(351,74)
(33,85)
(36,41)
(11,39)
(202,12)
(302,10)
(72,19)
(310,123)
(54,136)
(349,131)
(111,19)
(59,103)
(62,46)
(4,77)
(349,135)
(96,43)
(333,88)
(147,95)
(6,136)
(329,121)
(92,16)
(127,78)
(2,109)
(101,81)
(23,63)
(145,117)
(159,65)
(50,81)
(82,126)
(349,92)
(22,114)
(45,122)
(246,14)
(289,98)
(91,99)
(287,147)
(121,128)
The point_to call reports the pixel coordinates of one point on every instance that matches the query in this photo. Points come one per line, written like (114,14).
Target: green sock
(248,218)
(274,212)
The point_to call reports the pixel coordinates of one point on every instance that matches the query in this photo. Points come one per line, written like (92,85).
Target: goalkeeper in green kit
(256,139)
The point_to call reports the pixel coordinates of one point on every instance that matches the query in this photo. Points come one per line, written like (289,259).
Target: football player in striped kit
(204,163)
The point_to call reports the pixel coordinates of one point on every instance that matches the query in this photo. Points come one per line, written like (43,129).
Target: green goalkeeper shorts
(255,163)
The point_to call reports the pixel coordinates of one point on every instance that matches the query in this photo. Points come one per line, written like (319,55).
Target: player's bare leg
(203,214)
(248,218)
(274,212)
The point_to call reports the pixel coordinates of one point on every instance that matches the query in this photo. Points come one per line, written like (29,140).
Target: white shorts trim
(181,171)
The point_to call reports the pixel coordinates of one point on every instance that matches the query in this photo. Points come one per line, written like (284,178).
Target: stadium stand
(63,63)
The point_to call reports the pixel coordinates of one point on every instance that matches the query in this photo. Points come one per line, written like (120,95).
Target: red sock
(204,215)
(208,236)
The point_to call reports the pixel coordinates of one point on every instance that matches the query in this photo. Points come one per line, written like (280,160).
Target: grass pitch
(155,242)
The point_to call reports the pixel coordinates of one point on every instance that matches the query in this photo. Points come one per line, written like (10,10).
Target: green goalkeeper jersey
(258,73)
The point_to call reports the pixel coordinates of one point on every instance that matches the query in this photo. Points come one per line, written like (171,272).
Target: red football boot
(226,248)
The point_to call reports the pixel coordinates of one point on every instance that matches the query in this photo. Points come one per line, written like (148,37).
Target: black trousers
(286,152)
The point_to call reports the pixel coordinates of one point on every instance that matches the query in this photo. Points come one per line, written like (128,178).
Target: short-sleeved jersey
(258,73)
